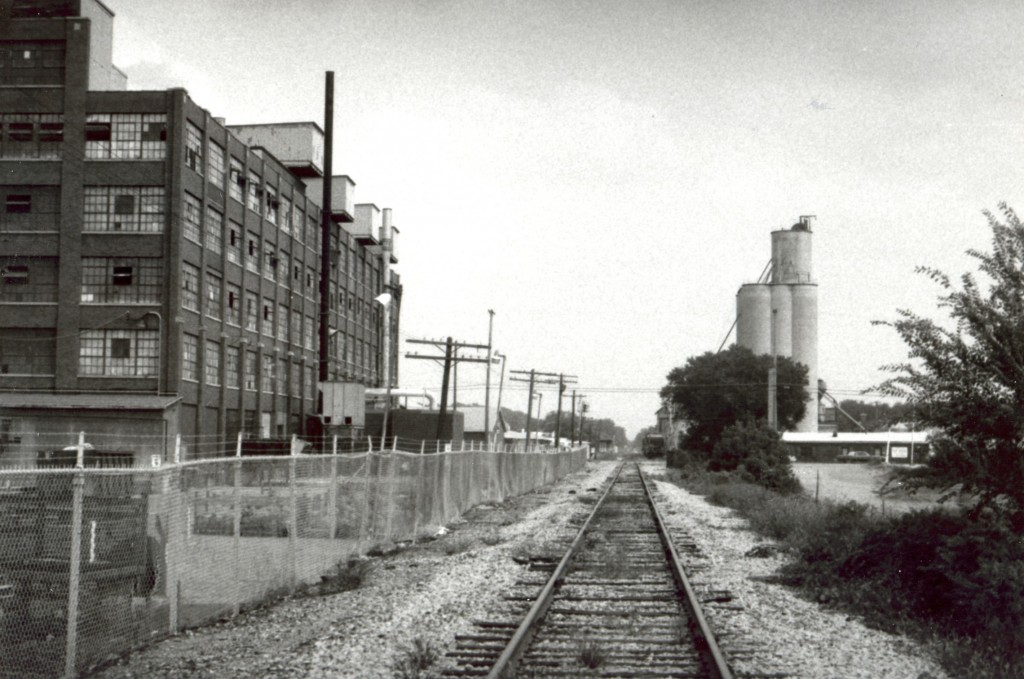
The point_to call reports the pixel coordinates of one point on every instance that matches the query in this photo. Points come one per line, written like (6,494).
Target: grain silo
(792,308)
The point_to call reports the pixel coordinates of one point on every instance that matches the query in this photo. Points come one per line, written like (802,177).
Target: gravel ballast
(435,590)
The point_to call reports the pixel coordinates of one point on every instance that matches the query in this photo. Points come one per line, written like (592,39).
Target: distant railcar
(654,445)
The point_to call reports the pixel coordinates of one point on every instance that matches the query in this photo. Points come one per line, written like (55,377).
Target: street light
(384,299)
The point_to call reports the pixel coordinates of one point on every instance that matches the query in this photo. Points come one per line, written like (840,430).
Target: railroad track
(617,604)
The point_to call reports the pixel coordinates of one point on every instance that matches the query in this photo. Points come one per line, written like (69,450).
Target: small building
(896,447)
(475,427)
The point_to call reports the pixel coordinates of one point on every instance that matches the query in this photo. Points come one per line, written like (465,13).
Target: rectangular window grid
(231,366)
(267,375)
(29,208)
(236,179)
(193,147)
(282,322)
(118,353)
(268,317)
(31,135)
(122,280)
(234,242)
(211,300)
(192,219)
(254,192)
(250,370)
(213,230)
(215,165)
(189,357)
(124,208)
(234,304)
(28,351)
(211,363)
(126,136)
(252,302)
(190,286)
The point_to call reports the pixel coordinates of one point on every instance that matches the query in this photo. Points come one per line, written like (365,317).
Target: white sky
(605,175)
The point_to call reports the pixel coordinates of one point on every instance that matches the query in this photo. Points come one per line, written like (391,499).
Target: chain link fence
(132,554)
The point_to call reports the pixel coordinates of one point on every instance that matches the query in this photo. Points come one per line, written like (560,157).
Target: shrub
(754,450)
(414,660)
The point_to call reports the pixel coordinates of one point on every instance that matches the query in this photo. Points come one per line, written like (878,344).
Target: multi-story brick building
(159,271)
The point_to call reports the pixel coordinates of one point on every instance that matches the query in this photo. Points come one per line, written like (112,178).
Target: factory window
(282,375)
(190,287)
(251,313)
(268,317)
(118,353)
(215,165)
(252,252)
(307,332)
(28,351)
(126,136)
(29,208)
(294,378)
(122,280)
(284,269)
(28,279)
(282,322)
(267,375)
(234,305)
(296,328)
(31,63)
(213,230)
(211,300)
(254,193)
(250,370)
(31,135)
(193,222)
(189,357)
(298,219)
(234,242)
(193,147)
(270,263)
(211,363)
(124,208)
(285,215)
(231,366)
(272,203)
(236,179)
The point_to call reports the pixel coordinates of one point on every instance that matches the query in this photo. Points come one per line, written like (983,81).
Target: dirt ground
(860,483)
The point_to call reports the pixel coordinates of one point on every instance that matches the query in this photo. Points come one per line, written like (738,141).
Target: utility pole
(450,358)
(540,378)
(487,384)
(572,421)
(325,231)
(773,378)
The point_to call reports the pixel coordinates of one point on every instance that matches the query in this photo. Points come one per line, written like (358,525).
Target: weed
(414,660)
(345,577)
(492,538)
(590,654)
(456,545)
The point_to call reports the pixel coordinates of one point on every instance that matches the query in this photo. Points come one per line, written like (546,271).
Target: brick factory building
(159,270)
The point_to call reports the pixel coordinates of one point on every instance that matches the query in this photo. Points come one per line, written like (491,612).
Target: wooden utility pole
(540,378)
(572,421)
(450,358)
(325,231)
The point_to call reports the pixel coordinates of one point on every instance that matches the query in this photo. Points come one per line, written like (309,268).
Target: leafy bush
(755,450)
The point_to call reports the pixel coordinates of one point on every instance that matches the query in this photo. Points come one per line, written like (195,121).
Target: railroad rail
(617,604)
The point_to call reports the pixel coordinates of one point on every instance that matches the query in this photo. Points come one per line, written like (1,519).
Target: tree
(715,390)
(755,450)
(968,379)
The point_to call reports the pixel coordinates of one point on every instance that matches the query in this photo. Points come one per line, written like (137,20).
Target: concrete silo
(753,318)
(791,320)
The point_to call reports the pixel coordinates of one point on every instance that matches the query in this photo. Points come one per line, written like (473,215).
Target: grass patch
(953,582)
(456,544)
(491,538)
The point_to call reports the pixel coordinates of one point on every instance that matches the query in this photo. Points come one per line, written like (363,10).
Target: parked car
(855,456)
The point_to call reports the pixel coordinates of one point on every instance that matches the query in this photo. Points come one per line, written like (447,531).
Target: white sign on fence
(899,451)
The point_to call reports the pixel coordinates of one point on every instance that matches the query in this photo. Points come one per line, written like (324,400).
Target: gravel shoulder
(435,590)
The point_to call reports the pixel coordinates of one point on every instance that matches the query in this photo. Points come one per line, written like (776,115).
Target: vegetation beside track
(955,582)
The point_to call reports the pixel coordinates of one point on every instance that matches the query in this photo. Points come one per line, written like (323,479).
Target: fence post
(177,449)
(365,514)
(75,557)
(393,459)
(177,532)
(332,492)
(394,443)
(236,528)
(417,498)
(293,516)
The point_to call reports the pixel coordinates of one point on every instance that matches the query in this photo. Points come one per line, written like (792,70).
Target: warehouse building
(159,270)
